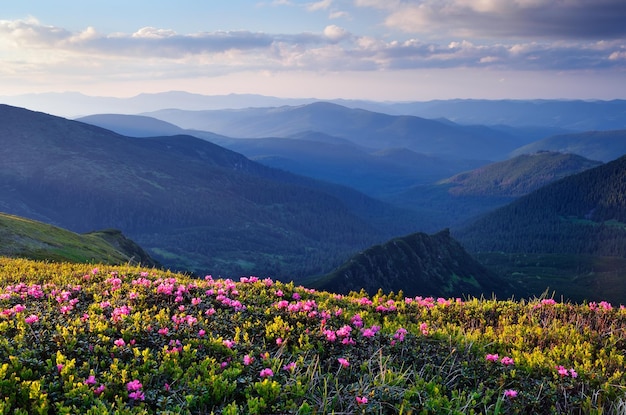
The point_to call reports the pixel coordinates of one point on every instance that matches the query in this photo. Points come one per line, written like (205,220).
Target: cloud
(319,5)
(161,52)
(536,19)
(335,33)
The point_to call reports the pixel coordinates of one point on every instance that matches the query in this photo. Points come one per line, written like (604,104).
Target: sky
(382,50)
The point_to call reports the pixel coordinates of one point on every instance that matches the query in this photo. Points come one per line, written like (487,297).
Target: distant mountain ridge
(366,128)
(596,145)
(313,154)
(571,115)
(418,264)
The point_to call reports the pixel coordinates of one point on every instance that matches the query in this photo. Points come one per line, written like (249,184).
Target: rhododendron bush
(101,339)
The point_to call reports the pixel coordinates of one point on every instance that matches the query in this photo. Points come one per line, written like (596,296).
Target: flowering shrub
(126,340)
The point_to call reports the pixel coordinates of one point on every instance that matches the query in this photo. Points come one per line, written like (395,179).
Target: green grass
(75,338)
(21,237)
(571,277)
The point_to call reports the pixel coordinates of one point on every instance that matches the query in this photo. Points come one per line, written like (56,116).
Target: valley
(293,192)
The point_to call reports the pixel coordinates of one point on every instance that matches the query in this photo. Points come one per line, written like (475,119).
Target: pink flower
(228,343)
(290,367)
(279,341)
(134,385)
(137,395)
(201,333)
(361,400)
(266,373)
(167,387)
(343,362)
(119,343)
(99,390)
(163,331)
(573,373)
(507,361)
(31,319)
(424,328)
(492,357)
(60,367)
(247,359)
(562,371)
(510,393)
(368,333)
(91,380)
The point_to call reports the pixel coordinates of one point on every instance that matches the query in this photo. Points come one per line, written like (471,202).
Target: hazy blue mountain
(418,264)
(595,145)
(313,154)
(564,115)
(575,115)
(192,204)
(74,104)
(365,128)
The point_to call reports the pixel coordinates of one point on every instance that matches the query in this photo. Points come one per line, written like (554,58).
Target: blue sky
(366,49)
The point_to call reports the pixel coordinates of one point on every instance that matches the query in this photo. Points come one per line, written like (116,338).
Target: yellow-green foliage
(83,339)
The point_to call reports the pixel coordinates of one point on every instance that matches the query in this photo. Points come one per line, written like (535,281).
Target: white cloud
(319,5)
(153,33)
(335,33)
(619,55)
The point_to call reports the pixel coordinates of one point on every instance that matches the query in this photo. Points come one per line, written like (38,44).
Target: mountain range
(539,118)
(444,191)
(191,204)
(196,206)
(366,128)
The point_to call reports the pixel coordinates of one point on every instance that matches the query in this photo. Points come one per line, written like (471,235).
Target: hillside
(517,176)
(97,339)
(25,238)
(454,201)
(191,204)
(365,128)
(418,264)
(596,145)
(580,214)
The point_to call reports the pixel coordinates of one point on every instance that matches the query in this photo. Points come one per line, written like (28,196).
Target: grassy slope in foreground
(125,340)
(21,237)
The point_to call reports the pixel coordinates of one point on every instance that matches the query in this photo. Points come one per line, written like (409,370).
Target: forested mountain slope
(417,264)
(454,201)
(583,213)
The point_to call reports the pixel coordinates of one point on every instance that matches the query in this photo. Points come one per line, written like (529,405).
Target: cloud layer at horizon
(381,37)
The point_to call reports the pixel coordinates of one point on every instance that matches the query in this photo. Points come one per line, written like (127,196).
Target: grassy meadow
(100,339)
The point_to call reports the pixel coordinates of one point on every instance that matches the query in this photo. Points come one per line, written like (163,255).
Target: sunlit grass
(83,339)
